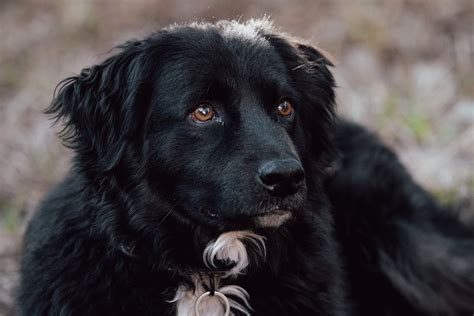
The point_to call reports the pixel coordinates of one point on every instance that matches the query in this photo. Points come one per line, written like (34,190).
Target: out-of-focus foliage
(404,68)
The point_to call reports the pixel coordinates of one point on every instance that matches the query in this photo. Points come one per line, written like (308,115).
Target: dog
(212,176)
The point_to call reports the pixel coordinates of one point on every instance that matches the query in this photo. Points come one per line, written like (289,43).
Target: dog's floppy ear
(315,54)
(103,106)
(319,92)
(319,60)
(308,67)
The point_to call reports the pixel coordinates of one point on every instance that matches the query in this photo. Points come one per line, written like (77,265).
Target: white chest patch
(231,247)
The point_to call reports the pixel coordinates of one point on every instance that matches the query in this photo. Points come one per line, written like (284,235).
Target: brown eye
(285,108)
(203,113)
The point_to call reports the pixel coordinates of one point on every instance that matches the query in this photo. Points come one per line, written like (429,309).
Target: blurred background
(404,68)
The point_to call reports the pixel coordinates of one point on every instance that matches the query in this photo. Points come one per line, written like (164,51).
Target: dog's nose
(282,177)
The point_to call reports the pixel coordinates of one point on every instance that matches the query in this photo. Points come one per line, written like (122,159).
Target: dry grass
(404,68)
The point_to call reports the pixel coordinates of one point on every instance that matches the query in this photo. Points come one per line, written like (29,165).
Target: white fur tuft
(230,247)
(185,299)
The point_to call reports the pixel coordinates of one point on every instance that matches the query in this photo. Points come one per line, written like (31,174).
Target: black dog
(211,173)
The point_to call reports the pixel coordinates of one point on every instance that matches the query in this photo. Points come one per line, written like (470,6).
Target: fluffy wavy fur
(229,247)
(271,199)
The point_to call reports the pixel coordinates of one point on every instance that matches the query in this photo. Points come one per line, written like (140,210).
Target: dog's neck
(231,248)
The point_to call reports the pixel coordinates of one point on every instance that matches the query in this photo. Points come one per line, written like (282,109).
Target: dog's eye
(285,108)
(203,113)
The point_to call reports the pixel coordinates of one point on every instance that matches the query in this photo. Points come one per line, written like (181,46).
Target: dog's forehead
(231,53)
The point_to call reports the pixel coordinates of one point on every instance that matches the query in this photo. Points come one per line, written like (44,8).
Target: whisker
(167,214)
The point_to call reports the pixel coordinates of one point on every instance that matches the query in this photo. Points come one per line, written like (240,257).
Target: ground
(404,68)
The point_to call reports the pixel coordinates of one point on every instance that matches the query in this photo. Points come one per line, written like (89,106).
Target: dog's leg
(406,255)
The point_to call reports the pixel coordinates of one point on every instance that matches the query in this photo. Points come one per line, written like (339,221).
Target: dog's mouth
(273,218)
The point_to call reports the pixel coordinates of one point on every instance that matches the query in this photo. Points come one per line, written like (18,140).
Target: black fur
(149,188)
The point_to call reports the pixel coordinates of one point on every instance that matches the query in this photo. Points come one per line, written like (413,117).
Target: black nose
(282,177)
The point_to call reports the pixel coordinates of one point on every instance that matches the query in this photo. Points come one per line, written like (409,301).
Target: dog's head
(227,123)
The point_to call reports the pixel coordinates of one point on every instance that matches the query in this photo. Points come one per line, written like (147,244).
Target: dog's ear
(309,68)
(317,59)
(319,92)
(102,106)
(315,54)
